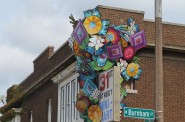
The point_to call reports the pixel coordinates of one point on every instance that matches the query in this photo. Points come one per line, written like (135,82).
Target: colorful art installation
(79,32)
(138,40)
(99,46)
(95,113)
(128,53)
(114,51)
(112,36)
(93,24)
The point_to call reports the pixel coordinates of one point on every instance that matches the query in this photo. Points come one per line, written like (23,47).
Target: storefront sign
(110,94)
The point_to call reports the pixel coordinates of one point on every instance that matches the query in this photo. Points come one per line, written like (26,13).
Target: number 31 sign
(109,86)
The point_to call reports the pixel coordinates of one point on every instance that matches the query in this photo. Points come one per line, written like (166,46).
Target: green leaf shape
(107,66)
(123,92)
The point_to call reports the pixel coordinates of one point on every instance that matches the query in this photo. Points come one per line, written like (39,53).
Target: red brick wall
(174,69)
(37,102)
(172,34)
(116,16)
(174,93)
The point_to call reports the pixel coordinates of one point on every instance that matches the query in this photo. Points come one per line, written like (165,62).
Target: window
(68,90)
(130,86)
(49,110)
(30,116)
(17,117)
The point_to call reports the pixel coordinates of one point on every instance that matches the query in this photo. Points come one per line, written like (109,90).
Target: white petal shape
(97,41)
(125,64)
(91,44)
(92,40)
(97,47)
(101,39)
(101,44)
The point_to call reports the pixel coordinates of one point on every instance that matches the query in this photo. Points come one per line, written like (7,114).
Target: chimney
(42,60)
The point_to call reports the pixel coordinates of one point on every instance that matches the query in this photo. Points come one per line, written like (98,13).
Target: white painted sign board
(109,85)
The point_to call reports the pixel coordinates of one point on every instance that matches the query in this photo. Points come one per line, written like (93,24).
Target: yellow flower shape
(95,113)
(81,106)
(92,24)
(132,69)
(123,42)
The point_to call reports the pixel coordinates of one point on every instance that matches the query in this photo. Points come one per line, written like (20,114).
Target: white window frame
(63,85)
(17,117)
(31,116)
(131,90)
(49,109)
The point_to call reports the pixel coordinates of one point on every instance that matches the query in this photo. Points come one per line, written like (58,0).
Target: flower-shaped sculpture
(94,96)
(128,53)
(112,36)
(123,64)
(95,113)
(96,41)
(105,24)
(133,71)
(92,24)
(92,12)
(132,27)
(76,49)
(99,46)
(123,42)
(95,12)
(81,106)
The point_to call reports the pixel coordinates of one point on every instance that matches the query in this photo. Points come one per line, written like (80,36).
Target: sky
(27,27)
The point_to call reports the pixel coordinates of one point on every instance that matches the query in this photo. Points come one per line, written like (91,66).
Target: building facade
(48,94)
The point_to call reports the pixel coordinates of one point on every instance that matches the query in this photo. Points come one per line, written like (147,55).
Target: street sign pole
(159,61)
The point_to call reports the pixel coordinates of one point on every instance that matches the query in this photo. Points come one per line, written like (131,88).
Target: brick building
(42,91)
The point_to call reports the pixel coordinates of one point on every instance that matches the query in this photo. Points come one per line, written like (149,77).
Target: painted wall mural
(98,46)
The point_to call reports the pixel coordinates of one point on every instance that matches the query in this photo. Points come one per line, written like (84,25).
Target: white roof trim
(64,73)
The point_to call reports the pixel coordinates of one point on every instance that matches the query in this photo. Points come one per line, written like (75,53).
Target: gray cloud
(35,34)
(37,26)
(15,64)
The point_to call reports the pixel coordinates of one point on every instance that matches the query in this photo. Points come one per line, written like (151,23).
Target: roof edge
(63,44)
(28,90)
(165,22)
(48,47)
(122,9)
(168,47)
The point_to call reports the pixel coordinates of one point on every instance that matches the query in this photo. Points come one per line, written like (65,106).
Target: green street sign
(139,113)
(149,120)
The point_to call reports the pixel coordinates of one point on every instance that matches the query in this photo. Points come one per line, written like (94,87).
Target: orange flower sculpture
(92,24)
(95,113)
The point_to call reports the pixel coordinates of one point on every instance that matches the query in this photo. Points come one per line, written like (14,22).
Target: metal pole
(159,61)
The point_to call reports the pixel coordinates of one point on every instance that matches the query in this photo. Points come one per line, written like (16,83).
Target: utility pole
(159,61)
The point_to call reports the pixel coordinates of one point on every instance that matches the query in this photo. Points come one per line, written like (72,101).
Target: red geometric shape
(129,53)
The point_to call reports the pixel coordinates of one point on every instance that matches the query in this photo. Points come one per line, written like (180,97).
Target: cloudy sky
(27,27)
